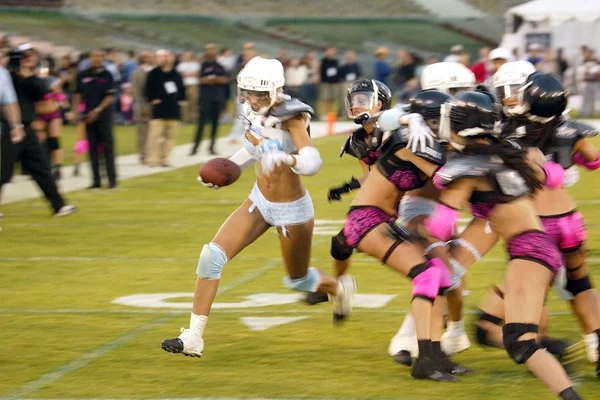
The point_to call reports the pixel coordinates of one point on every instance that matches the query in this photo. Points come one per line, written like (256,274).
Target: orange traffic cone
(331,119)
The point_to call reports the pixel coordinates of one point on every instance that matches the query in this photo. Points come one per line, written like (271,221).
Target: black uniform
(29,151)
(94,85)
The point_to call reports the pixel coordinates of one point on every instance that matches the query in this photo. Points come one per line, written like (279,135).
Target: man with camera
(19,91)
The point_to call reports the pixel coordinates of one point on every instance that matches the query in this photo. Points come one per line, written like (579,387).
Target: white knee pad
(211,262)
(458,271)
(560,285)
(308,283)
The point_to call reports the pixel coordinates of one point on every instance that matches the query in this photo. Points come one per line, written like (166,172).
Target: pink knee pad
(442,223)
(82,146)
(425,282)
(572,231)
(445,278)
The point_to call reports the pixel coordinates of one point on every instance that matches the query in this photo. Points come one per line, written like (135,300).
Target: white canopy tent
(566,24)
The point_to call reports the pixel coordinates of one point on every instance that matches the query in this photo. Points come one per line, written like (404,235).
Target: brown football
(220,172)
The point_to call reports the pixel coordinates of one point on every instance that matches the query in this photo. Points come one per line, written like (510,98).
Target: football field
(86,300)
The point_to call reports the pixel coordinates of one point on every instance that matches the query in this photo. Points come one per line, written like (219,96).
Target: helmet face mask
(366,97)
(260,79)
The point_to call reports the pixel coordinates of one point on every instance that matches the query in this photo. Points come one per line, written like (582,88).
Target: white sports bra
(269,137)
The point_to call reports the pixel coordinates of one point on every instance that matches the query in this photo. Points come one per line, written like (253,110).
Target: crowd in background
(159,90)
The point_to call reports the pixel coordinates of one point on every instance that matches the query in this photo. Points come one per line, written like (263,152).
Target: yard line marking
(86,358)
(312,310)
(83,360)
(187,259)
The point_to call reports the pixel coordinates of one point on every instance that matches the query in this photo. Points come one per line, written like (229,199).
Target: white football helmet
(262,75)
(509,78)
(449,77)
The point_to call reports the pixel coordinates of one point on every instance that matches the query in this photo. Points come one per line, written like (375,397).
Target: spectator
(481,68)
(563,65)
(126,103)
(534,54)
(17,138)
(96,87)
(164,91)
(350,70)
(213,78)
(142,109)
(455,52)
(237,130)
(284,58)
(590,72)
(549,63)
(311,88)
(465,59)
(330,80)
(129,66)
(228,61)
(381,67)
(189,69)
(499,56)
(406,69)
(296,76)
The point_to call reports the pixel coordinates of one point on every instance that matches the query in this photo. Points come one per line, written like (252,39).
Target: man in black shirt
(330,80)
(18,139)
(213,79)
(96,88)
(164,91)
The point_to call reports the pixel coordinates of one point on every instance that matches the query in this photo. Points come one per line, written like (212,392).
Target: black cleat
(403,357)
(425,368)
(316,298)
(339,318)
(175,346)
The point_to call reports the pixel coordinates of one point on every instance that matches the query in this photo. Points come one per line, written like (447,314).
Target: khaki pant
(161,139)
(189,110)
(142,116)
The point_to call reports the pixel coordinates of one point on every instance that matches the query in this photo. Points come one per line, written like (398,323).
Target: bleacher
(496,7)
(237,8)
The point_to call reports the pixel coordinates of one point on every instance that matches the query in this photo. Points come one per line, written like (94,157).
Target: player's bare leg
(237,232)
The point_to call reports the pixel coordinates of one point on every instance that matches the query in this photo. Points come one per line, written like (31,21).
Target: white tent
(566,24)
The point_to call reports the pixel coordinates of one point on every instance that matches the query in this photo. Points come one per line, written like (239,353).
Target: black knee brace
(519,350)
(53,143)
(576,286)
(339,249)
(482,332)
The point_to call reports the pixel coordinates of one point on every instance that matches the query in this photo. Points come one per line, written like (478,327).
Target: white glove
(571,176)
(208,184)
(275,158)
(419,134)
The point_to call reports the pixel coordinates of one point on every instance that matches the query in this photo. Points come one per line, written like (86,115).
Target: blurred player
(451,78)
(362,144)
(495,177)
(537,121)
(277,137)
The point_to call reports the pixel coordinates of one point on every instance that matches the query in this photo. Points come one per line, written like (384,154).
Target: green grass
(145,237)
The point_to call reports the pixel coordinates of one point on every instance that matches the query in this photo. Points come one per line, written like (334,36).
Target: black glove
(335,193)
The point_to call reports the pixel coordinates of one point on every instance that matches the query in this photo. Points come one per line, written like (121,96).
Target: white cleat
(454,342)
(342,303)
(188,343)
(591,345)
(402,342)
(65,210)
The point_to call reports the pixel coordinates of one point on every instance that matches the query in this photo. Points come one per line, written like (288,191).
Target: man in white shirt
(189,69)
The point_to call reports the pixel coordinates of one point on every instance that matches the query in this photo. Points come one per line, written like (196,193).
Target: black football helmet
(364,93)
(541,98)
(428,103)
(472,114)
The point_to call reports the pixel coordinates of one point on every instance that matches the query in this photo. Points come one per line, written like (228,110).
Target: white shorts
(295,212)
(412,207)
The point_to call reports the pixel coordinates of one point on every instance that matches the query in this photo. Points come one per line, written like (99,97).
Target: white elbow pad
(389,120)
(308,161)
(242,158)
